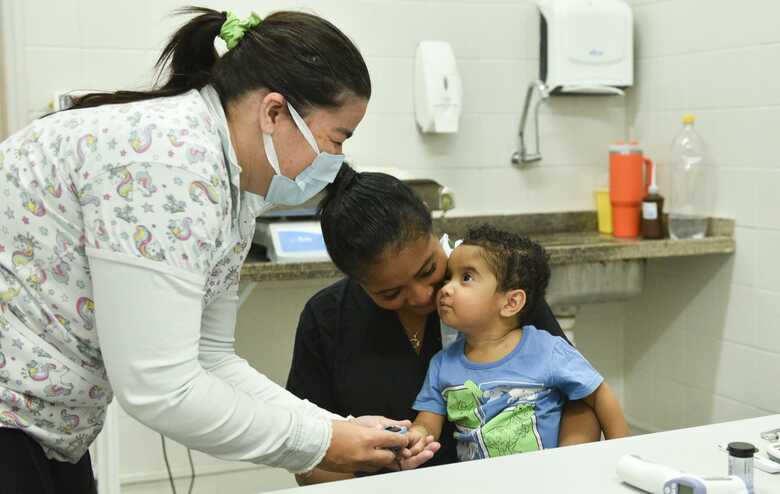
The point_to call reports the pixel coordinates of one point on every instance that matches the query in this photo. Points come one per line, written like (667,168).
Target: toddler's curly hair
(516,261)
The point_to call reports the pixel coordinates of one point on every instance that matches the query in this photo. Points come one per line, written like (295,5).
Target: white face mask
(311,180)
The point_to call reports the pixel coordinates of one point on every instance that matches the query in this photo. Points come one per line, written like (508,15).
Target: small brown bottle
(652,212)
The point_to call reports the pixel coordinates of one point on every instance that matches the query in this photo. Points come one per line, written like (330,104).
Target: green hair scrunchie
(233,29)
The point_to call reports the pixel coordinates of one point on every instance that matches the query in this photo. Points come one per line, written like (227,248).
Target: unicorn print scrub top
(122,236)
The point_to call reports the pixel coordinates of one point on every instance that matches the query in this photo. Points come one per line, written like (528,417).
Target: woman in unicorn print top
(125,223)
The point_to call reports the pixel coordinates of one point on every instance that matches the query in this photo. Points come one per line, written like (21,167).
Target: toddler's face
(468,301)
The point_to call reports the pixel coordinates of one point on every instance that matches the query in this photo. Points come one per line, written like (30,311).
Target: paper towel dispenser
(437,88)
(586,46)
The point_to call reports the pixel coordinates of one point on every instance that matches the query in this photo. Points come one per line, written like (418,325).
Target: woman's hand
(359,448)
(379,422)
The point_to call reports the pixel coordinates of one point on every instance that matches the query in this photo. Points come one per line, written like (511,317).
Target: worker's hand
(357,448)
(379,422)
(422,447)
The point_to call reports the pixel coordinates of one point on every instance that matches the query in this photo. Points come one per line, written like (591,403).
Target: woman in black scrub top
(363,344)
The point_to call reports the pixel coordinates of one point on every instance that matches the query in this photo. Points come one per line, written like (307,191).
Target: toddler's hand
(420,449)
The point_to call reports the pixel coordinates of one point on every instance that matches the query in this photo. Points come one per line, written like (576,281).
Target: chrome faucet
(522,156)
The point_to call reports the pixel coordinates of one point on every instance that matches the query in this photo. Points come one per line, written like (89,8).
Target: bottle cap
(688,119)
(741,450)
(653,189)
(623,148)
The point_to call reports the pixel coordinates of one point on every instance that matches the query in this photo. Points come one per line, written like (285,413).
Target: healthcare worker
(125,224)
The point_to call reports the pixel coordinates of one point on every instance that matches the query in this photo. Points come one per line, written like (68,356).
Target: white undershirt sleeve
(193,388)
(219,358)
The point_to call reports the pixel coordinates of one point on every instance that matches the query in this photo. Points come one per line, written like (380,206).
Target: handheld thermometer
(661,479)
(646,475)
(693,484)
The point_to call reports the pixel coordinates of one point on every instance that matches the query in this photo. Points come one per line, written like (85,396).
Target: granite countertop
(569,238)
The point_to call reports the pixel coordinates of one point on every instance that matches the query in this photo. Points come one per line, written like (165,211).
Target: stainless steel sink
(595,282)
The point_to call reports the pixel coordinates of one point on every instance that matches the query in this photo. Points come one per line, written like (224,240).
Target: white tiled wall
(93,44)
(97,44)
(701,344)
(704,336)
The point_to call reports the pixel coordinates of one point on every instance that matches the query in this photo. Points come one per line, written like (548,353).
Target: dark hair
(304,57)
(364,214)
(516,261)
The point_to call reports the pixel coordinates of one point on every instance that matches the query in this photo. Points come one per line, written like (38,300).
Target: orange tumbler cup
(627,187)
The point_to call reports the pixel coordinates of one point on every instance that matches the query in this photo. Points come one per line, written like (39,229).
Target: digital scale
(292,241)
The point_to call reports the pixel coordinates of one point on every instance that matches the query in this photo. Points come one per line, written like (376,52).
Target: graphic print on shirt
(495,418)
(208,189)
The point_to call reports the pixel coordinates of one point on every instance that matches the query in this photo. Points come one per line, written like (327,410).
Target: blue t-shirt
(510,406)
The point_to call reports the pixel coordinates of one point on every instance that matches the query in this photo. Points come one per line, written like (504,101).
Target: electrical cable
(167,465)
(192,471)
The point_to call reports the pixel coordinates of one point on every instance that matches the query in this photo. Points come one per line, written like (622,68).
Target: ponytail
(365,214)
(188,57)
(337,189)
(190,52)
(304,57)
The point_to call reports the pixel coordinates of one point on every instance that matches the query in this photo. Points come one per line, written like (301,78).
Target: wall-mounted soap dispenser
(437,88)
(586,46)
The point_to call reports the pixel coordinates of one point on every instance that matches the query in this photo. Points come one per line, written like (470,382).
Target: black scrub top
(353,358)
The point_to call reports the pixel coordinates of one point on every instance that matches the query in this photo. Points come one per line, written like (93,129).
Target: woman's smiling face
(407,277)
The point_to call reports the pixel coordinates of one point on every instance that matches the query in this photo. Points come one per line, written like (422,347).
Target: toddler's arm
(608,412)
(427,424)
(578,424)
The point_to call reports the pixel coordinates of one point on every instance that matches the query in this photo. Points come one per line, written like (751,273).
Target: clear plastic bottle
(691,198)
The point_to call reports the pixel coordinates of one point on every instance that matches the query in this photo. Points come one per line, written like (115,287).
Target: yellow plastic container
(603,210)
